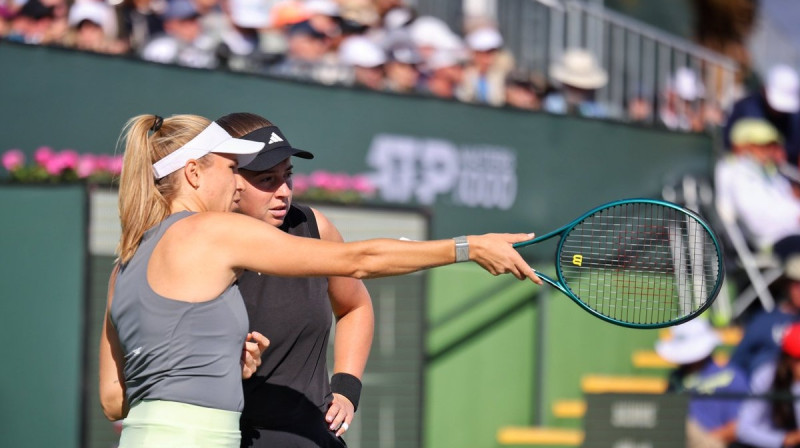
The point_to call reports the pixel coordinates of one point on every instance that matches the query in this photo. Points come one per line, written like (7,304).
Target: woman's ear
(192,173)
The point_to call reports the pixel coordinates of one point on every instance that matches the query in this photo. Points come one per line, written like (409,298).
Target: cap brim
(213,139)
(245,150)
(269,158)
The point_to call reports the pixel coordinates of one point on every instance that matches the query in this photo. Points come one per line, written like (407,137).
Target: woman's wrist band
(347,385)
(462,249)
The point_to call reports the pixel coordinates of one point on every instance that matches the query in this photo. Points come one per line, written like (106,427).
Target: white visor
(212,139)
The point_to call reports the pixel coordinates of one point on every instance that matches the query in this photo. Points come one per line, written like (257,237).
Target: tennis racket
(639,263)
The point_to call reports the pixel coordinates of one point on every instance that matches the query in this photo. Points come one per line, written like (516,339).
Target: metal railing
(639,59)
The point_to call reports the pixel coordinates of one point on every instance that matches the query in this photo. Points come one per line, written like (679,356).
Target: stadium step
(535,435)
(731,336)
(649,359)
(569,408)
(599,384)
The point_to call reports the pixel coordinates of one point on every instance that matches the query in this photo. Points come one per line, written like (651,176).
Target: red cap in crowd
(791,341)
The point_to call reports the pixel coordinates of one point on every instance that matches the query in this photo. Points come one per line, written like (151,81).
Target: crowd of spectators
(380,45)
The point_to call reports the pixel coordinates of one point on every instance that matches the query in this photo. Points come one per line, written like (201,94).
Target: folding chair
(695,193)
(761,270)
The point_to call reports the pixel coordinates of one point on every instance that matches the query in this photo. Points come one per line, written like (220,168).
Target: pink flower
(362,184)
(320,179)
(43,155)
(339,182)
(114,165)
(300,183)
(102,162)
(54,165)
(13,159)
(69,159)
(86,165)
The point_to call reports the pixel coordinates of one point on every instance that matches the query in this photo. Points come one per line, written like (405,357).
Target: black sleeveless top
(291,391)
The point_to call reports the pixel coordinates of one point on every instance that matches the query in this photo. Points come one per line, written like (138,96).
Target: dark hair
(239,124)
(36,10)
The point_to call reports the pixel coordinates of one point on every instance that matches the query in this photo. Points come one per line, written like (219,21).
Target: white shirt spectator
(761,198)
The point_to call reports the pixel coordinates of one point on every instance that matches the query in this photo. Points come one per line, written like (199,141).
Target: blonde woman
(175,320)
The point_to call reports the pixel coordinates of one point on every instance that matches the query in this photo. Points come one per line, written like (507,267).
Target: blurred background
(428,119)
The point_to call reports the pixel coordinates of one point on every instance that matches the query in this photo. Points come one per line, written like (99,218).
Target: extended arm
(288,255)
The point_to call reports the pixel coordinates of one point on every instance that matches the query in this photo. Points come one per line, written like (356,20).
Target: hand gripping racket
(639,263)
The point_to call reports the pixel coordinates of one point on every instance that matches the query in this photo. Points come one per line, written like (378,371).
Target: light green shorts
(163,424)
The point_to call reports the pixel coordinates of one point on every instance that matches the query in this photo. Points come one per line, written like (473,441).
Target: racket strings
(640,263)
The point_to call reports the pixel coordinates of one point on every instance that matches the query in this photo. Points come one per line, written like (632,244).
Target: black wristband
(347,385)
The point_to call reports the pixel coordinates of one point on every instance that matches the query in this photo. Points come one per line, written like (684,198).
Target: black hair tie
(157,122)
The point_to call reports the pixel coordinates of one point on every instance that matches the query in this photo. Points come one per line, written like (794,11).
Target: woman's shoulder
(211,222)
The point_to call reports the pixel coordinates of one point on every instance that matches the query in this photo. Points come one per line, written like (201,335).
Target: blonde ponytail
(143,202)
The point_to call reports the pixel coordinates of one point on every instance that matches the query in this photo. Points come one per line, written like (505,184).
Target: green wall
(541,170)
(482,356)
(41,309)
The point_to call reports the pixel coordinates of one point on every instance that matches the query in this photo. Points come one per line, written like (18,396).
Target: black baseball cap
(277,149)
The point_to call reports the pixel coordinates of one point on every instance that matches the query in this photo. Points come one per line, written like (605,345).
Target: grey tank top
(174,350)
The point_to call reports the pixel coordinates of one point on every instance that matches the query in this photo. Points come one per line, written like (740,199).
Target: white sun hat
(783,89)
(689,342)
(580,69)
(429,31)
(687,85)
(98,13)
(254,14)
(212,139)
(362,52)
(484,39)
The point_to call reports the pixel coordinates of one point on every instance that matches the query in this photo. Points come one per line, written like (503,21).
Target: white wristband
(462,249)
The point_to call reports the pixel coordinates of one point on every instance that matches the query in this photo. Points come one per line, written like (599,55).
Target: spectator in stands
(444,75)
(770,418)
(325,17)
(711,420)
(32,23)
(485,72)
(402,74)
(748,182)
(367,59)
(521,91)
(432,37)
(184,41)
(778,102)
(580,76)
(359,15)
(308,56)
(93,27)
(240,39)
(640,107)
(140,21)
(5,19)
(765,330)
(395,25)
(681,106)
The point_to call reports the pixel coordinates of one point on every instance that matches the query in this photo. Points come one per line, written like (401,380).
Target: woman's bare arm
(112,363)
(248,243)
